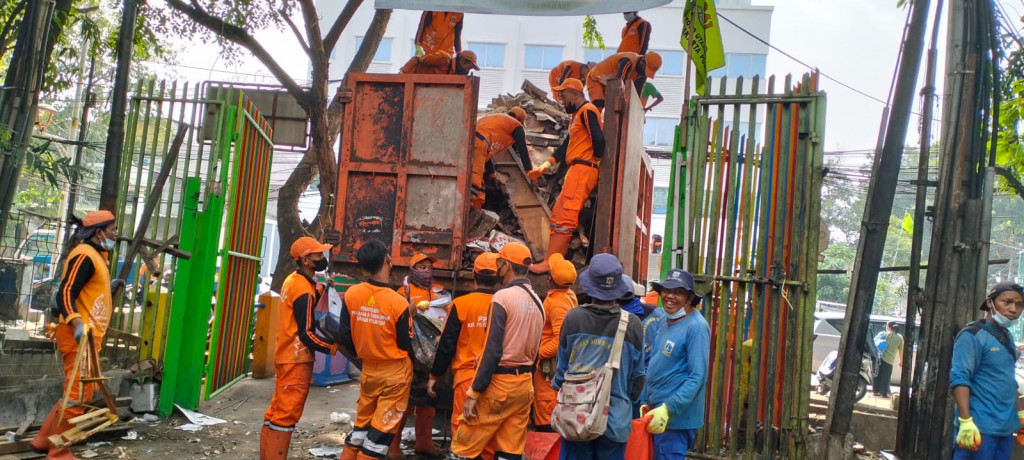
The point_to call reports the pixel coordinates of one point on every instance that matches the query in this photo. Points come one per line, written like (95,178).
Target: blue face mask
(1002,321)
(679,314)
(107,244)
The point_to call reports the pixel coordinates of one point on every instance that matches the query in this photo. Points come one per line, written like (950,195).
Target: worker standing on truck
(678,369)
(625,66)
(84,305)
(433,301)
(636,34)
(983,381)
(462,341)
(568,69)
(376,325)
(296,342)
(498,402)
(439,31)
(557,303)
(582,152)
(441,63)
(494,134)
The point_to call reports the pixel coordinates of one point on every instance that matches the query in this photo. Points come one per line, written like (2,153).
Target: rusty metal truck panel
(406,152)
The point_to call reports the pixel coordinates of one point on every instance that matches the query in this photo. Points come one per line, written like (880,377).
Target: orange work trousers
(503,413)
(458,403)
(78,394)
(291,388)
(595,89)
(580,181)
(383,399)
(545,399)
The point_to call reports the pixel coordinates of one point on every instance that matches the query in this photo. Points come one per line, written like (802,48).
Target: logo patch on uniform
(669,346)
(994,349)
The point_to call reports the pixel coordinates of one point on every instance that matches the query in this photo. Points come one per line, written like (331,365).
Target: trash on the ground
(888,455)
(98,444)
(192,427)
(131,436)
(409,434)
(199,419)
(195,440)
(151,417)
(341,417)
(333,390)
(237,422)
(89,454)
(326,451)
(11,436)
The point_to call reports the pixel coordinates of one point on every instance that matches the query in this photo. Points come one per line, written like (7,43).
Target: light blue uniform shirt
(983,364)
(678,369)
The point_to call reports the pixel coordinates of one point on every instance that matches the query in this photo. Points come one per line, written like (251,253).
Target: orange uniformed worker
(582,152)
(497,407)
(296,342)
(440,31)
(462,341)
(376,326)
(494,134)
(441,63)
(568,69)
(421,292)
(625,66)
(84,305)
(559,301)
(636,34)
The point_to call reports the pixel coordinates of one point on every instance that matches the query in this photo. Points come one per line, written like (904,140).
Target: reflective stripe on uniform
(357,437)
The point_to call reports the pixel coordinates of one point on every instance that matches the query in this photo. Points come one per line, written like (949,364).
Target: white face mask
(629,16)
(107,244)
(1001,320)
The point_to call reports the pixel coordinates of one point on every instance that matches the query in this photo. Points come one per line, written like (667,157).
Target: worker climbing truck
(404,178)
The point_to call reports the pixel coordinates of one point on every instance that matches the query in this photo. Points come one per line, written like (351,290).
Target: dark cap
(999,288)
(603,279)
(677,278)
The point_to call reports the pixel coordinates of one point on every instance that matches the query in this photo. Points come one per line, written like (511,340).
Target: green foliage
(591,36)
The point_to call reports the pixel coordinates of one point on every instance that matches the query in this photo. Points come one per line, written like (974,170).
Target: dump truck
(406,158)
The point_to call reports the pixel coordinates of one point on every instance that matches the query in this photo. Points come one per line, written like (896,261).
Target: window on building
(660,131)
(660,201)
(488,54)
(541,57)
(742,65)
(671,63)
(598,54)
(383,53)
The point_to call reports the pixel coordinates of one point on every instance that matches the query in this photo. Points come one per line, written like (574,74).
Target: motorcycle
(827,369)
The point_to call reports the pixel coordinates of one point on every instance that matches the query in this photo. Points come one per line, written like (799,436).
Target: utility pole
(19,99)
(118,107)
(874,228)
(83,128)
(963,201)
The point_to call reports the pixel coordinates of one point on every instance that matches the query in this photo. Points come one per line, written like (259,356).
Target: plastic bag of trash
(426,334)
(499,240)
(327,321)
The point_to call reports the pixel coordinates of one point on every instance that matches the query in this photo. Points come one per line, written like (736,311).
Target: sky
(853,41)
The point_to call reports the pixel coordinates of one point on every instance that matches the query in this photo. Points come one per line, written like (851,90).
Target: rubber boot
(558,242)
(274,444)
(349,453)
(60,454)
(41,443)
(425,431)
(395,450)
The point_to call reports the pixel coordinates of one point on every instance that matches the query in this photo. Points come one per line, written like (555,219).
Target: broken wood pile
(546,122)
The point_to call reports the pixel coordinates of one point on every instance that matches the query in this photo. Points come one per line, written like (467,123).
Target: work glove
(535,173)
(79,332)
(968,437)
(423,305)
(658,419)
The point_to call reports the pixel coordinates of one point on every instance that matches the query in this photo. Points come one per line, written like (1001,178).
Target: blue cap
(677,278)
(603,279)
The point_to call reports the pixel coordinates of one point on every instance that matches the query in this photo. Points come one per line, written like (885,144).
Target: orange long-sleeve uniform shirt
(565,69)
(617,66)
(461,344)
(440,31)
(494,134)
(557,303)
(581,152)
(636,36)
(433,63)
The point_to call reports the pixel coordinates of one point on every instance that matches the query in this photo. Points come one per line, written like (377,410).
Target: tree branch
(296,31)
(374,34)
(240,37)
(334,33)
(1011,180)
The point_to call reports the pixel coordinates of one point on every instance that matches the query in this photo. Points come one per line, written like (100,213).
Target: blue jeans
(992,448)
(599,449)
(673,444)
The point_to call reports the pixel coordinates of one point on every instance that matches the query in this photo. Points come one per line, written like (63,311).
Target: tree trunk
(325,128)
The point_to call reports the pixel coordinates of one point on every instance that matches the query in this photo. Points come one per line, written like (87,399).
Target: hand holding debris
(535,173)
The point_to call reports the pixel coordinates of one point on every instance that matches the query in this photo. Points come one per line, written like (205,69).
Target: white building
(511,49)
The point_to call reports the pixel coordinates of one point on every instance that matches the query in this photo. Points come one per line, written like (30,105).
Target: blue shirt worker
(678,369)
(585,344)
(983,380)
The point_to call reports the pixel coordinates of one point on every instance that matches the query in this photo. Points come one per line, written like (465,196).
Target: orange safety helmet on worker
(494,134)
(560,299)
(636,34)
(377,327)
(441,63)
(625,66)
(296,342)
(440,31)
(582,152)
(568,69)
(83,307)
(497,407)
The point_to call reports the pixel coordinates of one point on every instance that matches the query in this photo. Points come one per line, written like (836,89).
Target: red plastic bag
(542,446)
(640,445)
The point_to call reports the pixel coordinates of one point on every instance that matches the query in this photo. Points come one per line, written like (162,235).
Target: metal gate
(746,224)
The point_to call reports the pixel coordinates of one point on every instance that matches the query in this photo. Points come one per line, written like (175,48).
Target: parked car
(828,328)
(39,250)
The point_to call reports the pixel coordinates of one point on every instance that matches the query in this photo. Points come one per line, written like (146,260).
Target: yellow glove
(535,173)
(423,305)
(658,420)
(968,437)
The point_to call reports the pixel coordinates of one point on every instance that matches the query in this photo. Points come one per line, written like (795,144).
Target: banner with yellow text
(706,52)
